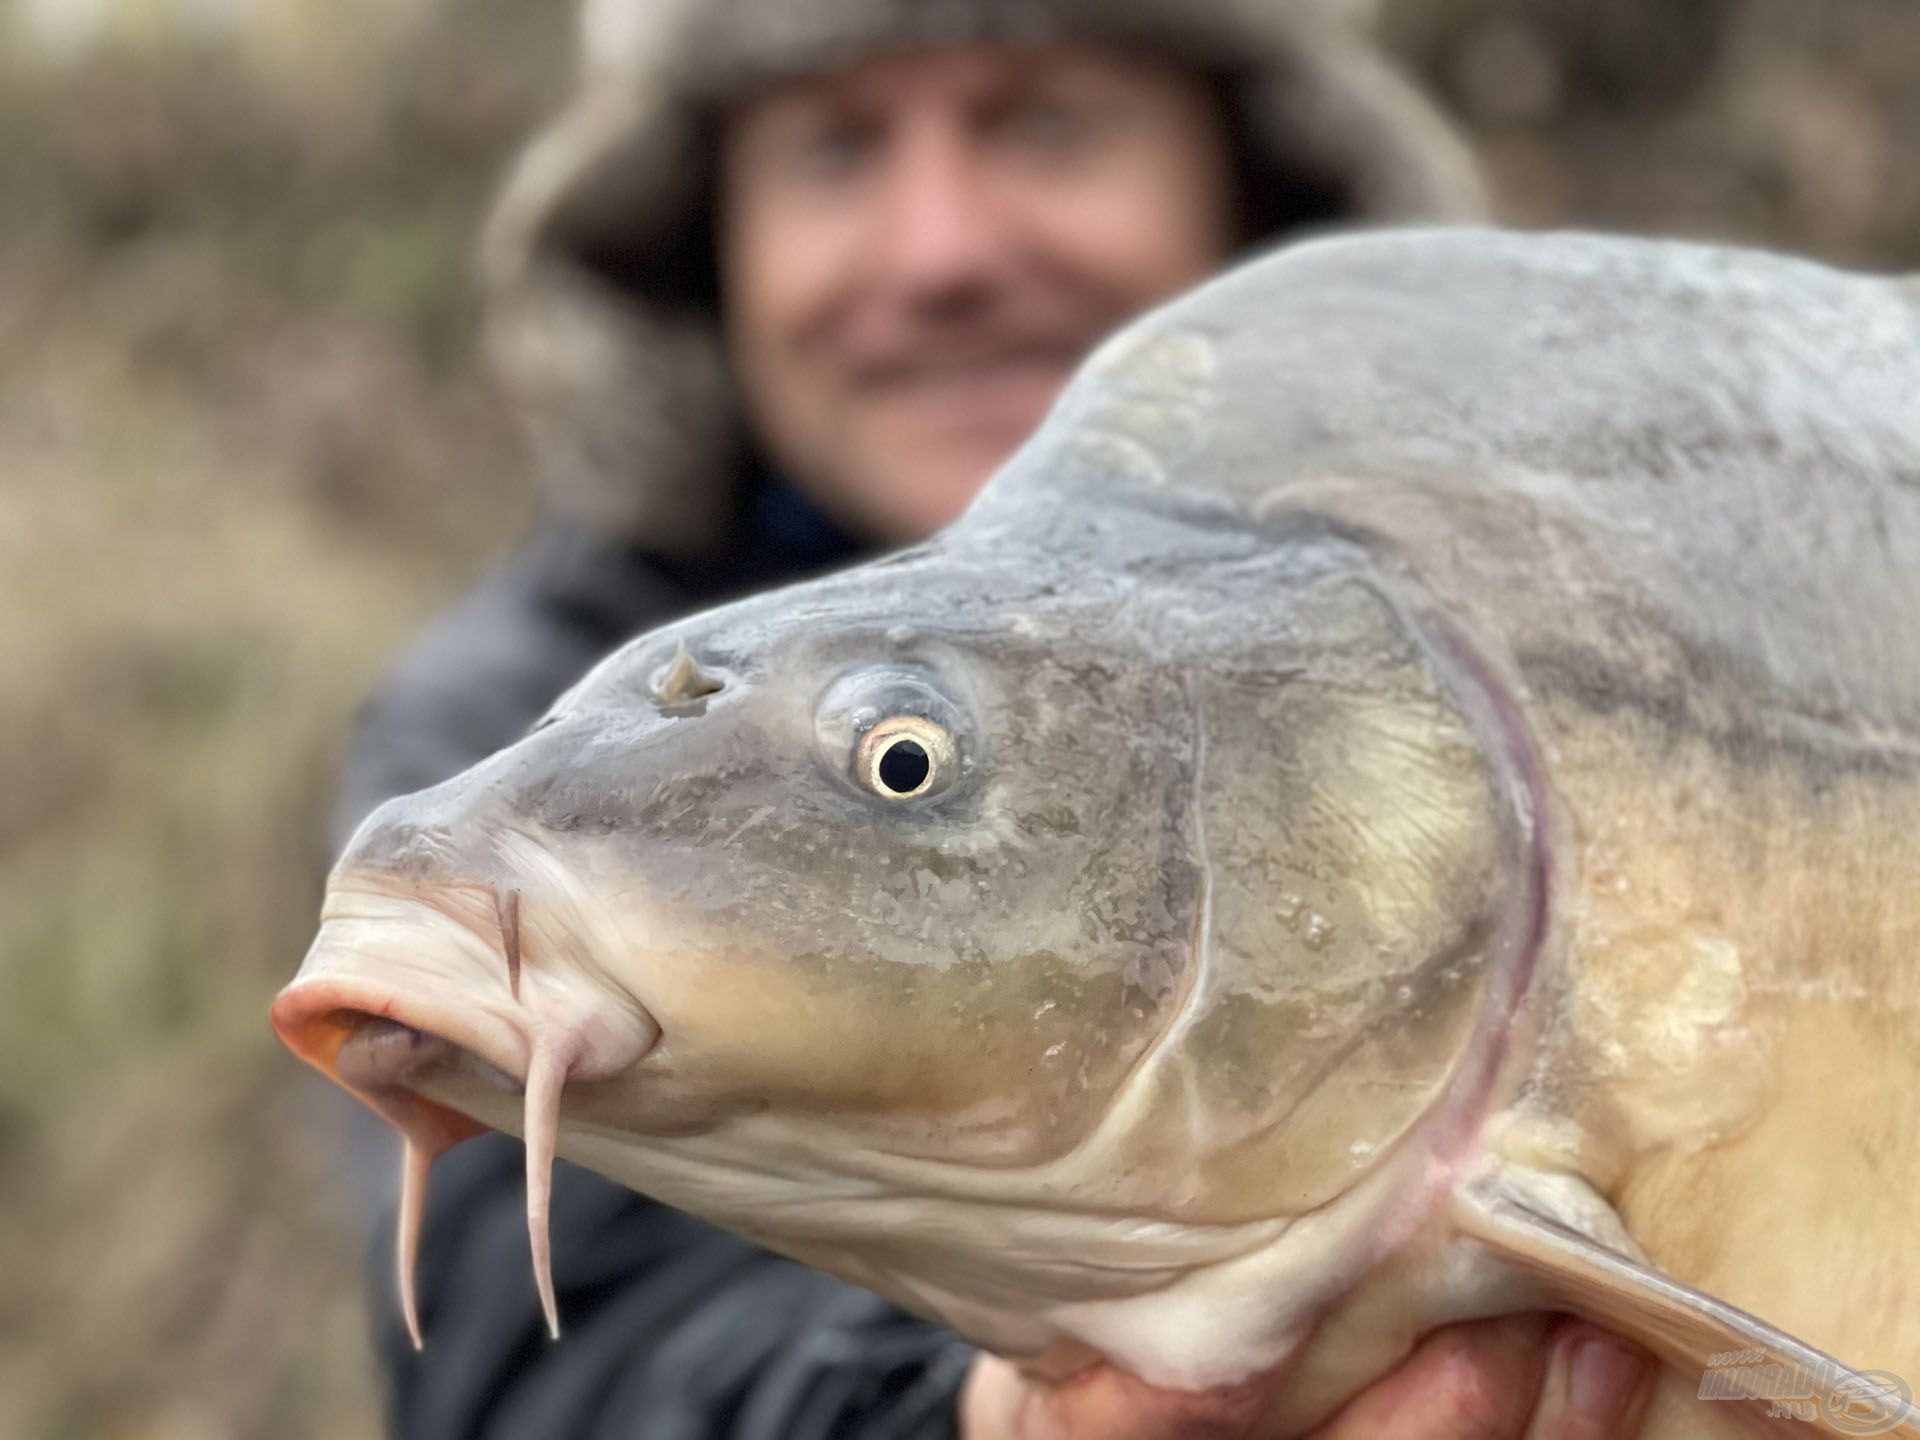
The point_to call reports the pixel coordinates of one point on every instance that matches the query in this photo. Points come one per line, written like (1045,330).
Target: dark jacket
(672,1329)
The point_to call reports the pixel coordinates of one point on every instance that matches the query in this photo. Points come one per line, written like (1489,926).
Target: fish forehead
(1059,674)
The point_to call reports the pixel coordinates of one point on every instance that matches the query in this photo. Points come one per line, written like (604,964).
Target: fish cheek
(972,1005)
(983,1026)
(970,1061)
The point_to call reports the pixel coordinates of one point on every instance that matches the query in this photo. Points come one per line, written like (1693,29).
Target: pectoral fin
(1544,1226)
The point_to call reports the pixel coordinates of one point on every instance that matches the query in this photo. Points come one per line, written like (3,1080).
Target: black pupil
(904,767)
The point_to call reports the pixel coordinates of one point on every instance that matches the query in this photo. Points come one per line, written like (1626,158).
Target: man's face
(916,251)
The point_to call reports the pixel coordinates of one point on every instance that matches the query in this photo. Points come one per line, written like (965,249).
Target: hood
(602,316)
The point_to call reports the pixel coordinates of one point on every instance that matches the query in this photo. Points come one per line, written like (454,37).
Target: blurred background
(245,449)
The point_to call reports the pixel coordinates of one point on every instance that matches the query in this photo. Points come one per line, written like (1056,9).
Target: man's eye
(834,150)
(1050,126)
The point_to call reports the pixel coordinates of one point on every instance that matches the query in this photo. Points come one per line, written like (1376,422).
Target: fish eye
(903,756)
(893,732)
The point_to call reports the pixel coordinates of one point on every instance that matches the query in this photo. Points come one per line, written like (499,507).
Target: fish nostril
(381,1053)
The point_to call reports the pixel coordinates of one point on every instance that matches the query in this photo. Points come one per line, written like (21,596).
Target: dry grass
(243,453)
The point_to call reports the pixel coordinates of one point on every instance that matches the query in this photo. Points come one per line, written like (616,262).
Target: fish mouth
(445,1030)
(377,1044)
(383,1054)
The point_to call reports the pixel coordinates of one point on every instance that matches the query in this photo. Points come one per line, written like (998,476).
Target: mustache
(932,358)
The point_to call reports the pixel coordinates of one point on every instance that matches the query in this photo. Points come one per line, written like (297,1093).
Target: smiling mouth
(968,368)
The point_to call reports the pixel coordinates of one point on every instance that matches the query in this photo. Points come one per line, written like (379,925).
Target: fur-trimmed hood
(597,260)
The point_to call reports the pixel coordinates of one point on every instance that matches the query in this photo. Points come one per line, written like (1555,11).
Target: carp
(1397,805)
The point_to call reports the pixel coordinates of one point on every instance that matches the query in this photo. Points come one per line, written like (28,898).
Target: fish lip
(311,1019)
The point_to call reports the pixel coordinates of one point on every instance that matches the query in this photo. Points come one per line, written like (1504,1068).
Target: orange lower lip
(316,1021)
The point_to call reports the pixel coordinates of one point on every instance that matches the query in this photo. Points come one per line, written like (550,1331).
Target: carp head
(1020,926)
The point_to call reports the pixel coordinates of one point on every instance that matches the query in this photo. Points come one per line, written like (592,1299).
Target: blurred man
(785,284)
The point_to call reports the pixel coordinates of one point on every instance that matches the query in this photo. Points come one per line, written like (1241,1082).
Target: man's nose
(942,228)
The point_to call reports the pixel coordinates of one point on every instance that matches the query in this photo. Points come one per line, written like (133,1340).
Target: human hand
(1516,1378)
